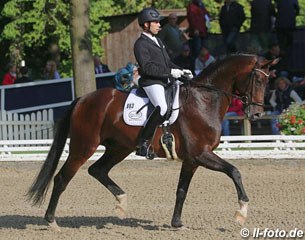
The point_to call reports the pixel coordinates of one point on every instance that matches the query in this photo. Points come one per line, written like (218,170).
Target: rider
(156,71)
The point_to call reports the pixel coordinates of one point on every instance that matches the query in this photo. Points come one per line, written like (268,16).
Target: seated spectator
(99,67)
(24,76)
(298,84)
(50,71)
(10,77)
(280,100)
(203,60)
(126,77)
(235,109)
(185,60)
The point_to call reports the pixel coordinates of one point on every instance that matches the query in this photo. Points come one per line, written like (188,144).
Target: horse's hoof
(182,228)
(54,227)
(121,208)
(120,212)
(240,218)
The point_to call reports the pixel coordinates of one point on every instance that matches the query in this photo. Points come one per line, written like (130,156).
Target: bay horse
(96,119)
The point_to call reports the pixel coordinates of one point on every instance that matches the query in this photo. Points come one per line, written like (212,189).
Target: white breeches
(156,94)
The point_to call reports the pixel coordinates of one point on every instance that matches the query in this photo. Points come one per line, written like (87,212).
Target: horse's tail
(39,188)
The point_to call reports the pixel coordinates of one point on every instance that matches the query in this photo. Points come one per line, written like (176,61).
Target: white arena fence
(231,147)
(38,125)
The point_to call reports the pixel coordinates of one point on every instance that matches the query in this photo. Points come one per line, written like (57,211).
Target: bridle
(246,98)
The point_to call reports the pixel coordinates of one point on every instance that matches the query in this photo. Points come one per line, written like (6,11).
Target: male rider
(157,70)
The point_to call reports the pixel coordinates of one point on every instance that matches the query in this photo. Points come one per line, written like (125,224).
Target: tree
(84,77)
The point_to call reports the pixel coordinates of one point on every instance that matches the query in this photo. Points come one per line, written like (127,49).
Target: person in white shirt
(203,60)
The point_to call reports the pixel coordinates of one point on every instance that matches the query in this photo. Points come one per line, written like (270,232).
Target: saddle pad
(134,103)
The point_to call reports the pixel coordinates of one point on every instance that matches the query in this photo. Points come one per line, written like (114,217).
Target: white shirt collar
(152,38)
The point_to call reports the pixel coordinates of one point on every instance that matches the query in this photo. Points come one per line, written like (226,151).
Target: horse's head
(252,89)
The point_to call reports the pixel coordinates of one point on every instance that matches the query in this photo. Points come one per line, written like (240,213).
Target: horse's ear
(274,61)
(268,63)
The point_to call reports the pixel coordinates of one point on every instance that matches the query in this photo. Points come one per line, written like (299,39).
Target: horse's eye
(259,82)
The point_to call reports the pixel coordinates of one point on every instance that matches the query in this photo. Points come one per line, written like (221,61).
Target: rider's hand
(188,74)
(176,73)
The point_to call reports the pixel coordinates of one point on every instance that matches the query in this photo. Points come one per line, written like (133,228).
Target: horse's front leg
(211,161)
(186,174)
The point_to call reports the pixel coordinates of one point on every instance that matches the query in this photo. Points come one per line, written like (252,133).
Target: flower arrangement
(292,120)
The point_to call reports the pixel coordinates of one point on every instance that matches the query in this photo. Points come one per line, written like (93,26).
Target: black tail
(39,188)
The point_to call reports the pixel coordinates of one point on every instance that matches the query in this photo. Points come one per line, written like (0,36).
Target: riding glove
(176,73)
(188,74)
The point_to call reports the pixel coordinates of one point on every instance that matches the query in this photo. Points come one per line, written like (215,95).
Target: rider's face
(155,27)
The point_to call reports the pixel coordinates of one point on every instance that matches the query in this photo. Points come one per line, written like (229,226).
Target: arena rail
(231,147)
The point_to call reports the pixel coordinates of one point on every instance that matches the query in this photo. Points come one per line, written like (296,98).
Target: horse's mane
(220,63)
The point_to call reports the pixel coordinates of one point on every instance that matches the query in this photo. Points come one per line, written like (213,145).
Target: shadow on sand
(20,222)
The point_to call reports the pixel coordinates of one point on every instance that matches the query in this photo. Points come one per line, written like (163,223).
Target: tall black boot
(148,131)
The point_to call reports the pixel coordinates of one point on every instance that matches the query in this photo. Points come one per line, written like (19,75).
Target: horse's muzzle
(256,116)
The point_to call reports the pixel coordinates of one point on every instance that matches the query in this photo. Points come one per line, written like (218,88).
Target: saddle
(137,106)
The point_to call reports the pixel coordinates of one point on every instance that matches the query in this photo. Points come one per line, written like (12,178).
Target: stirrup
(144,150)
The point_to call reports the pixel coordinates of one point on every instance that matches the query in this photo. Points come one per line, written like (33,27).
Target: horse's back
(93,109)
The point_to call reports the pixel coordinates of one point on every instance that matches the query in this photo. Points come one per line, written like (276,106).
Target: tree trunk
(82,61)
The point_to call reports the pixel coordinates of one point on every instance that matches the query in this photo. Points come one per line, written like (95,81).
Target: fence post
(247,126)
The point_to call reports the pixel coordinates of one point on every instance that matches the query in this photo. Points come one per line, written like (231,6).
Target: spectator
(10,77)
(281,98)
(235,109)
(172,36)
(287,10)
(279,69)
(24,75)
(99,67)
(136,75)
(231,19)
(50,71)
(185,60)
(198,19)
(298,84)
(203,60)
(262,13)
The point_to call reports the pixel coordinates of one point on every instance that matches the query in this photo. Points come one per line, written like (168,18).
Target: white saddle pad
(134,102)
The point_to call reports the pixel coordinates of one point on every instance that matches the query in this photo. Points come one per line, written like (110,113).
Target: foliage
(39,24)
(31,27)
(292,120)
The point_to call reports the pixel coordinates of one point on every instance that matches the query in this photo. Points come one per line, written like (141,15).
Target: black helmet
(149,15)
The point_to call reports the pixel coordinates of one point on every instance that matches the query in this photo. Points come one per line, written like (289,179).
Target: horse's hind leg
(213,162)
(61,181)
(100,170)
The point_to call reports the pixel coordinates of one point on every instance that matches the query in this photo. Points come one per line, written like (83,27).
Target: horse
(96,119)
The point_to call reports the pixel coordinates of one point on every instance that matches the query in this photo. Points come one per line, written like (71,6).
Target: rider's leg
(156,94)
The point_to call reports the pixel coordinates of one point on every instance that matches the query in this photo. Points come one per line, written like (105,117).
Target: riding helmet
(149,14)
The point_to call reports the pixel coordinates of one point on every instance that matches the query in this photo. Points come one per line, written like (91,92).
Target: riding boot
(143,147)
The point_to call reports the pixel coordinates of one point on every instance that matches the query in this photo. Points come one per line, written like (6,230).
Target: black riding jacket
(155,64)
